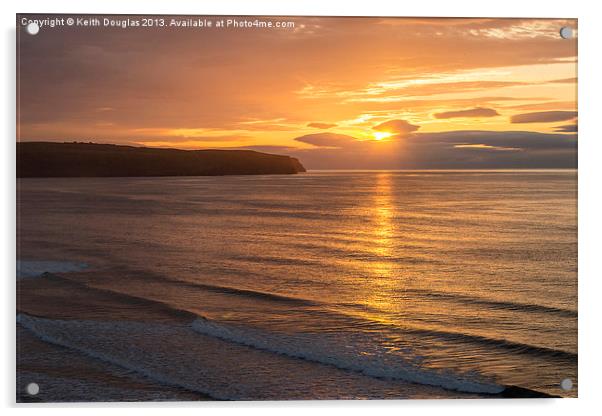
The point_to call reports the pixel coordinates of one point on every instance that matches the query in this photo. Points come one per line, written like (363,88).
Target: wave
(280,261)
(256,294)
(178,355)
(130,299)
(248,293)
(343,254)
(117,343)
(36,268)
(514,346)
(451,297)
(508,305)
(53,332)
(354,352)
(345,356)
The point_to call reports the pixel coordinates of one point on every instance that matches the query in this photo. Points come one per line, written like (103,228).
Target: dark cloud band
(544,117)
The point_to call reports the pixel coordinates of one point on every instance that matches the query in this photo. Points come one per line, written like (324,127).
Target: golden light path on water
(380,274)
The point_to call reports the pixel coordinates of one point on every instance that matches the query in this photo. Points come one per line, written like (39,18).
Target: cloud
(196,134)
(274,124)
(567,128)
(520,30)
(572,80)
(176,144)
(528,140)
(544,117)
(469,149)
(319,125)
(481,146)
(546,105)
(396,89)
(471,112)
(397,127)
(282,150)
(328,140)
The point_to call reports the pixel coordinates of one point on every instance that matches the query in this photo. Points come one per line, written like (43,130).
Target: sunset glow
(380,135)
(317,90)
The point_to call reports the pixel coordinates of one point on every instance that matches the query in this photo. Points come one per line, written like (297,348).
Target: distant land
(75,159)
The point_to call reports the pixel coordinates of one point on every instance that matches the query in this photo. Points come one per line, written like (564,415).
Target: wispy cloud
(471,112)
(481,146)
(328,140)
(543,117)
(319,125)
(571,80)
(567,128)
(522,29)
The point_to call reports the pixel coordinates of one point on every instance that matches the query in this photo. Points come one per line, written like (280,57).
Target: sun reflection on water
(382,213)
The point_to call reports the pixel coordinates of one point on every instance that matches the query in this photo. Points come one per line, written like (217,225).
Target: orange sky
(377,89)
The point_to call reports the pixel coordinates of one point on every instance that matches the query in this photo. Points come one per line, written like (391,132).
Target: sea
(321,285)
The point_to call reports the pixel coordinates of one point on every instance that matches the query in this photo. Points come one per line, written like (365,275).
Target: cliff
(48,159)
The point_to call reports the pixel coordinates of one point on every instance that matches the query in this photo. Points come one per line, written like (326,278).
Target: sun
(380,135)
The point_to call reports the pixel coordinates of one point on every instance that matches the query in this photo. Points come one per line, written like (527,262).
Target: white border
(590,206)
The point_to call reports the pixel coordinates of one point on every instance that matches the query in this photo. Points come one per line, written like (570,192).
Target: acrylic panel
(285,208)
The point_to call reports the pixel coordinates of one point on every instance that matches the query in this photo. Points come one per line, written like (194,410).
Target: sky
(337,93)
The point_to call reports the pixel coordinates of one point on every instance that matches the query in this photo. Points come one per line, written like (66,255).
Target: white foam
(35,268)
(348,353)
(62,333)
(180,356)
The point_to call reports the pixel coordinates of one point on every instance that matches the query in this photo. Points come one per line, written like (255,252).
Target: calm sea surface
(384,284)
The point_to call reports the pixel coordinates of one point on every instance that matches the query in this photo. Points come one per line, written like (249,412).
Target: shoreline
(85,379)
(92,377)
